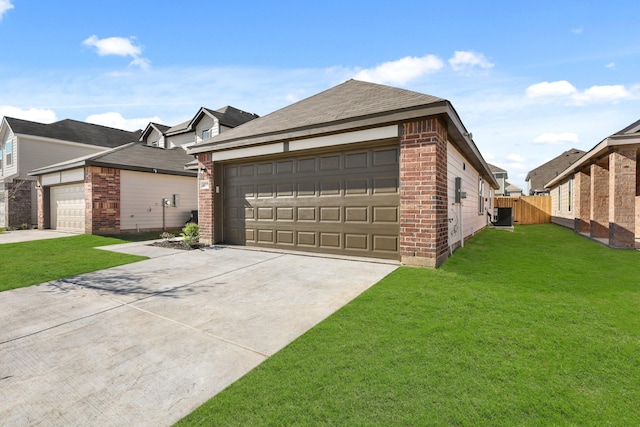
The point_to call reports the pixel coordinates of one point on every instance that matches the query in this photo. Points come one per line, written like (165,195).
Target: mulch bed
(178,244)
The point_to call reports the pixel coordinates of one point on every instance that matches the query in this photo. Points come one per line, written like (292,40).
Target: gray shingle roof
(631,129)
(350,100)
(495,169)
(133,156)
(231,116)
(74,131)
(541,175)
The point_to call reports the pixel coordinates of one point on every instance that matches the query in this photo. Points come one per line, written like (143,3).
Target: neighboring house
(134,187)
(26,145)
(599,194)
(360,169)
(506,188)
(141,186)
(513,190)
(204,125)
(537,178)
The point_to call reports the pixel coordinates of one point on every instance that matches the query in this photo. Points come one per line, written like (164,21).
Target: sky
(529,79)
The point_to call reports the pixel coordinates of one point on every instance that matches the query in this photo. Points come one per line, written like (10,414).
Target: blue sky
(530,79)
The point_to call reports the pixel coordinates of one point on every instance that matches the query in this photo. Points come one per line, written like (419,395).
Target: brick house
(359,169)
(598,195)
(140,186)
(26,145)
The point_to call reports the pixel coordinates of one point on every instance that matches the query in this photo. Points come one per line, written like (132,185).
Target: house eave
(457,133)
(593,155)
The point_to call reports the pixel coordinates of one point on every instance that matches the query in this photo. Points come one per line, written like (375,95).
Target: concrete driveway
(16,236)
(146,343)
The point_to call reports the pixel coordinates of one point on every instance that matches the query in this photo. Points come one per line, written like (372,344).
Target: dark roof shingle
(347,101)
(541,175)
(74,131)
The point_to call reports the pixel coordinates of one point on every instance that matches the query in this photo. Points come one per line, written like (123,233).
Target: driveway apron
(144,344)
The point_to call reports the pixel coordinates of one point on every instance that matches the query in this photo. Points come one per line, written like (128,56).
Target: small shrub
(24,226)
(191,233)
(167,236)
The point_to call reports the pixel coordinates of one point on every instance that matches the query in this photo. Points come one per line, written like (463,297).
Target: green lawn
(39,261)
(538,327)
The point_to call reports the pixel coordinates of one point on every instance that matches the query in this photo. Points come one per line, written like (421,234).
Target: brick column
(102,200)
(423,193)
(41,204)
(622,197)
(582,202)
(599,201)
(206,191)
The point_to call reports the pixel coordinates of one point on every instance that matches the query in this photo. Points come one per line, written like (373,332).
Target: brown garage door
(342,203)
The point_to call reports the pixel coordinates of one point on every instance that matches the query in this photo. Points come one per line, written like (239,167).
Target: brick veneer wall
(582,198)
(102,195)
(18,199)
(599,201)
(622,193)
(423,193)
(206,189)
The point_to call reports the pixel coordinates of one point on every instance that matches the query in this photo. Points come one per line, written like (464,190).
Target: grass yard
(537,327)
(29,263)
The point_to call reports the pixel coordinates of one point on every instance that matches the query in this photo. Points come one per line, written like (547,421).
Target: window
(206,134)
(559,197)
(480,196)
(154,144)
(8,151)
(570,194)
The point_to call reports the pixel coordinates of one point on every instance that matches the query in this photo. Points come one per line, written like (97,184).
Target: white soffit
(385,132)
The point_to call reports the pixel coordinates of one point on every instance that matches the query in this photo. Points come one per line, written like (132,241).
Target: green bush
(191,233)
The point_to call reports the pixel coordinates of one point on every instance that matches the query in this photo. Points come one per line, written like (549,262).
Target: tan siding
(141,197)
(206,123)
(180,140)
(35,154)
(472,219)
(560,193)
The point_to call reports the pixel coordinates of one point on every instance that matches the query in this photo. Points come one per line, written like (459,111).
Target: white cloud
(516,158)
(115,120)
(466,60)
(593,95)
(578,30)
(611,65)
(32,114)
(556,138)
(5,6)
(402,70)
(550,89)
(119,46)
(607,93)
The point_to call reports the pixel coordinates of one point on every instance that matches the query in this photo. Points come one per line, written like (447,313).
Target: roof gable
(541,175)
(347,101)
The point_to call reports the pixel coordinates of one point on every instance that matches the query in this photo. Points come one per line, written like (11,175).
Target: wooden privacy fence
(527,209)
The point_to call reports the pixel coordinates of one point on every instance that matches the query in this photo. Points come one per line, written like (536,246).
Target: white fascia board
(241,153)
(365,135)
(384,132)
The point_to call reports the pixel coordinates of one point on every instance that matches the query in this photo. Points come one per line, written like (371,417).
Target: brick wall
(582,202)
(206,191)
(102,195)
(599,200)
(18,199)
(622,193)
(423,193)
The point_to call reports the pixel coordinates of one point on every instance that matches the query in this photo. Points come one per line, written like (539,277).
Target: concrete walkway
(16,236)
(146,343)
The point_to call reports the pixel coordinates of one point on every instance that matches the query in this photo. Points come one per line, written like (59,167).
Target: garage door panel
(68,208)
(332,202)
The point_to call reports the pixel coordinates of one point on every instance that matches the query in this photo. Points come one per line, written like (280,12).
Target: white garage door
(67,208)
